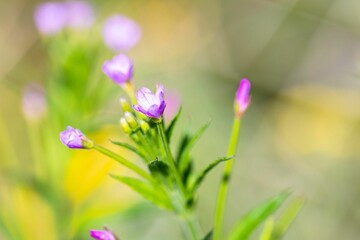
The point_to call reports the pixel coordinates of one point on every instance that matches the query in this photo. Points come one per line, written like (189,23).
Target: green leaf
(131,148)
(208,236)
(155,196)
(200,177)
(170,129)
(246,226)
(287,217)
(159,167)
(268,229)
(184,157)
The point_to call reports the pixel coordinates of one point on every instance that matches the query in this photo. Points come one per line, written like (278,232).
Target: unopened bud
(144,126)
(125,126)
(125,106)
(131,120)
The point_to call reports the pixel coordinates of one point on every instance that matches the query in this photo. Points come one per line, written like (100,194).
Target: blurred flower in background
(80,14)
(34,103)
(50,17)
(120,33)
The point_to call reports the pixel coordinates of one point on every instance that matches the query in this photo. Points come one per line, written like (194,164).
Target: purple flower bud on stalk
(119,69)
(50,17)
(242,98)
(121,33)
(33,102)
(102,234)
(152,105)
(80,14)
(74,138)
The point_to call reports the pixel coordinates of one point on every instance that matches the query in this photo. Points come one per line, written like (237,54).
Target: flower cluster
(169,182)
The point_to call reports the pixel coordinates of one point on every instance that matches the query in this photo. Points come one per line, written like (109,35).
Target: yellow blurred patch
(87,170)
(26,215)
(314,120)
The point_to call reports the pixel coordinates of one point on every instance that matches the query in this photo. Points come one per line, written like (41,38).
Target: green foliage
(130,147)
(156,196)
(287,218)
(208,236)
(186,146)
(247,224)
(200,177)
(157,167)
(170,128)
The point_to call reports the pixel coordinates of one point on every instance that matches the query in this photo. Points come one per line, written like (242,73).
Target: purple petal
(243,95)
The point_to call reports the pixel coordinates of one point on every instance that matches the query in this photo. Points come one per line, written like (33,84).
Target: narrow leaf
(200,177)
(246,226)
(155,196)
(130,147)
(287,218)
(208,236)
(184,158)
(170,129)
(268,229)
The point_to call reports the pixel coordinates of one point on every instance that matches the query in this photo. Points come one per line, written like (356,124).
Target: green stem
(124,162)
(193,226)
(170,157)
(224,185)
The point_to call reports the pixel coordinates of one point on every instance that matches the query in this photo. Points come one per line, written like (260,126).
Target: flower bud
(74,138)
(144,126)
(119,69)
(103,234)
(242,98)
(131,120)
(125,106)
(125,126)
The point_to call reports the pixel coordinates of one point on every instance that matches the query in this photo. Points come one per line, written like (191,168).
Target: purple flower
(80,14)
(119,69)
(50,17)
(121,33)
(102,234)
(74,138)
(152,105)
(242,98)
(33,102)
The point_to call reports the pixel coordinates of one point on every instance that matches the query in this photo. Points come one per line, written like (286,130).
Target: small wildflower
(74,138)
(121,33)
(50,17)
(102,234)
(152,105)
(119,69)
(242,98)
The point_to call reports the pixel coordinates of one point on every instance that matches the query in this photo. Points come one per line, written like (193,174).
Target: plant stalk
(224,185)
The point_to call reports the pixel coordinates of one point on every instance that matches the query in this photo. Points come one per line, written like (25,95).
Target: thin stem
(224,185)
(124,162)
(170,157)
(130,90)
(193,227)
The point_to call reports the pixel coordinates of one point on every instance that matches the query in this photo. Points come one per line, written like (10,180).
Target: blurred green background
(301,131)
